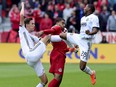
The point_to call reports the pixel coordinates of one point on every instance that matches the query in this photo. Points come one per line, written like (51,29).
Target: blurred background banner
(100,53)
(10,53)
(110,37)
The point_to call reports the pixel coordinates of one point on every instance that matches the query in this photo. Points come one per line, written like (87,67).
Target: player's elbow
(95,30)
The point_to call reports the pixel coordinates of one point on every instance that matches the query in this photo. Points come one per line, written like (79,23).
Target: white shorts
(84,45)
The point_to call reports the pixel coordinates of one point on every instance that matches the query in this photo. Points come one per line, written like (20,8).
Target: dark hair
(91,7)
(58,20)
(27,21)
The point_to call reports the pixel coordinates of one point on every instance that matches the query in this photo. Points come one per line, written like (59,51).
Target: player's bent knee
(30,63)
(46,39)
(44,79)
(63,35)
(58,77)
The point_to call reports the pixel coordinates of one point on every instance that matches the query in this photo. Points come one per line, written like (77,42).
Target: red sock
(54,83)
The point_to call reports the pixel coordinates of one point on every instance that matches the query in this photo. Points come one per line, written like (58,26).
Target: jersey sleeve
(95,22)
(49,31)
(52,30)
(21,28)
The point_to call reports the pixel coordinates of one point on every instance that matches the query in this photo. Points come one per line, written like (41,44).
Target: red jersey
(58,54)
(57,46)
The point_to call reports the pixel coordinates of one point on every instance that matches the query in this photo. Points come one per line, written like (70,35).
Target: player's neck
(57,25)
(88,14)
(28,30)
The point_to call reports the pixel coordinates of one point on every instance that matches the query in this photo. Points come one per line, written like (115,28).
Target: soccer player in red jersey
(58,54)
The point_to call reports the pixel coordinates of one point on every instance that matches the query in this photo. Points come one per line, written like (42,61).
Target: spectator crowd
(45,12)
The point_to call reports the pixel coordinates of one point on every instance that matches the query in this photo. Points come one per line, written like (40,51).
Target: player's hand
(76,48)
(72,49)
(87,32)
(22,3)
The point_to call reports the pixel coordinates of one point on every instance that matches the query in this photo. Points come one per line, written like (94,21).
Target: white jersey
(87,23)
(27,40)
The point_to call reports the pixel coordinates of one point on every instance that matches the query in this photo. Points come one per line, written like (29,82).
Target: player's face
(86,9)
(31,25)
(62,24)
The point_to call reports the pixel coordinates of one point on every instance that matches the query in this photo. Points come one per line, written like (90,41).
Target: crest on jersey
(87,19)
(71,33)
(60,69)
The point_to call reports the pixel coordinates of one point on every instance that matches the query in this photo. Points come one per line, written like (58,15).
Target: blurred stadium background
(14,72)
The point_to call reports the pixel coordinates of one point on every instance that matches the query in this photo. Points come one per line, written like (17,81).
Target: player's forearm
(22,9)
(22,14)
(48,31)
(95,30)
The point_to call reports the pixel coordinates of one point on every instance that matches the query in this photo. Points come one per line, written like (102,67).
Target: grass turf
(21,75)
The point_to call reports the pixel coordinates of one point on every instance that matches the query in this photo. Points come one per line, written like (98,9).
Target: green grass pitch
(21,75)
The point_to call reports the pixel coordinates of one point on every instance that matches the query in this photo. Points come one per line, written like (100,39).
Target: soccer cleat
(93,77)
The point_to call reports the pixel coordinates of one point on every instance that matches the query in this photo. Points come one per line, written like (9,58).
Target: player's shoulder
(21,28)
(56,26)
(93,16)
(83,17)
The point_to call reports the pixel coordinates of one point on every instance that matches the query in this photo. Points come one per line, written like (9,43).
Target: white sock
(55,38)
(87,70)
(40,85)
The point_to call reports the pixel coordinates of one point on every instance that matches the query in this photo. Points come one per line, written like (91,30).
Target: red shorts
(57,62)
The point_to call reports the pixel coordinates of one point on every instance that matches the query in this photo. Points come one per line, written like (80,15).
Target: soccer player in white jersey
(89,27)
(33,48)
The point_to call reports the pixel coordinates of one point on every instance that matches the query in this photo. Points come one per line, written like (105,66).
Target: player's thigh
(46,39)
(36,53)
(85,47)
(73,38)
(39,48)
(60,63)
(57,63)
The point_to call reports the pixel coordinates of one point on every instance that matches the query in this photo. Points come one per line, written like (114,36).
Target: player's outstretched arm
(22,14)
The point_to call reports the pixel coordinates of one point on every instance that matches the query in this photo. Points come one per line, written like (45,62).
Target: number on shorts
(84,54)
